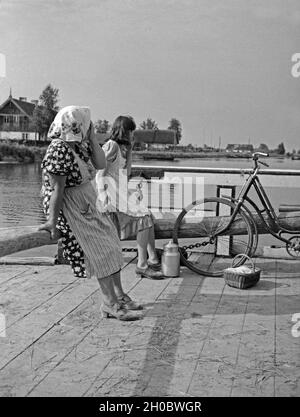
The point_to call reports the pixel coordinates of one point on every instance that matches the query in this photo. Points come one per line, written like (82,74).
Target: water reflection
(20,202)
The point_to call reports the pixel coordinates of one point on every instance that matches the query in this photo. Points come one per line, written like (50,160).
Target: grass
(20,153)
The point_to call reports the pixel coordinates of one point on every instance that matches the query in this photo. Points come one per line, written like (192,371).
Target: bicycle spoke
(211,252)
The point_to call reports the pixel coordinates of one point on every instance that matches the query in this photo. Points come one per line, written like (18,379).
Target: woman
(127,211)
(89,239)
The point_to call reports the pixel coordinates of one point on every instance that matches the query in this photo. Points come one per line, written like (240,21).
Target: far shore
(15,153)
(153,156)
(173,155)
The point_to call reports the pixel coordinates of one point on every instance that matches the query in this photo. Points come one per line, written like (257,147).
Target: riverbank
(24,153)
(170,155)
(13,153)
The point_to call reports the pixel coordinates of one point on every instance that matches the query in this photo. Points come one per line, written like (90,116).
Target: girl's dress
(89,239)
(127,211)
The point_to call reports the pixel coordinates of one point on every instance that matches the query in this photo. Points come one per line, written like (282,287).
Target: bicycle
(225,226)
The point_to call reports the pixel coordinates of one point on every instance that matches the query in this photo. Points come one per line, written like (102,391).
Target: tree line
(103,126)
(47,108)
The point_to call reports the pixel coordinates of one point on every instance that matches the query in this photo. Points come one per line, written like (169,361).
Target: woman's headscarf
(71,124)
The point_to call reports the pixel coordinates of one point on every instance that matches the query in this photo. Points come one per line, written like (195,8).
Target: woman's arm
(58,183)
(97,154)
(110,150)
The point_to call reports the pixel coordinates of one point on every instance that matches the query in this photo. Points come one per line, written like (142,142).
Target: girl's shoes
(117,311)
(155,267)
(127,303)
(149,273)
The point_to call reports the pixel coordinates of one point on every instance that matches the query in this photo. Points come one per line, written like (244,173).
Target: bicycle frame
(272,223)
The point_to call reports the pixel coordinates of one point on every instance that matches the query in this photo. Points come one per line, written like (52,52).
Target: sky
(223,68)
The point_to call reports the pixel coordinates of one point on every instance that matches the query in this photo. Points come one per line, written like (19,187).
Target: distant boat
(296,157)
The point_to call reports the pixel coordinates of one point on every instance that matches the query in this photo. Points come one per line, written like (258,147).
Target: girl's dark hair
(121,128)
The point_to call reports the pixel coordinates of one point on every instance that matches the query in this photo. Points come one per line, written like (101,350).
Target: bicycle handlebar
(255,155)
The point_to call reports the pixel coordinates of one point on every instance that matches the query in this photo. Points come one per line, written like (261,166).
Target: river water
(20,184)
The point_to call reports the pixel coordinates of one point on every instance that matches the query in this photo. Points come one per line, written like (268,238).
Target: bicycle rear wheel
(206,247)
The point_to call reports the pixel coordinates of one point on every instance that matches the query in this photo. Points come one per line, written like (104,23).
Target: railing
(208,170)
(287,178)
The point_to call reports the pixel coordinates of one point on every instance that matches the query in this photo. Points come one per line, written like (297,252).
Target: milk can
(170,261)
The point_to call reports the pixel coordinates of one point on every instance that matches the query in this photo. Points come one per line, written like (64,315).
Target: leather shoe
(117,311)
(148,273)
(127,303)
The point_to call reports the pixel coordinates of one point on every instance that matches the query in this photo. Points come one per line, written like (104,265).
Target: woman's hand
(58,183)
(51,228)
(90,138)
(124,150)
(97,154)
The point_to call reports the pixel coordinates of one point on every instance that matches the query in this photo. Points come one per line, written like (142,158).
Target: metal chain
(196,245)
(129,249)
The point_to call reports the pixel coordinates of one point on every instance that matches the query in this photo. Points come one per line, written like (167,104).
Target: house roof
(27,108)
(167,137)
(23,106)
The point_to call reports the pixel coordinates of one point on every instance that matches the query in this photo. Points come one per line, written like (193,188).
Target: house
(155,139)
(147,139)
(230,147)
(240,148)
(243,148)
(16,119)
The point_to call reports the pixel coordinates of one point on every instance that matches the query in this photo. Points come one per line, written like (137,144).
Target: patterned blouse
(60,160)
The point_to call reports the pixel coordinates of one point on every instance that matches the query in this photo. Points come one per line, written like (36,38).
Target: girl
(89,238)
(128,213)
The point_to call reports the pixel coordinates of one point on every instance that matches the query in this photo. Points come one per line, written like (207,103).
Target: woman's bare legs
(146,246)
(142,243)
(107,288)
(115,302)
(122,297)
(111,288)
(145,239)
(151,247)
(117,285)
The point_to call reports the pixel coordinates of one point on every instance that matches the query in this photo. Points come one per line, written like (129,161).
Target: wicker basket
(242,277)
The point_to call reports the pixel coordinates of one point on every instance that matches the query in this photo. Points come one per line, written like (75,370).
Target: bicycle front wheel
(207,241)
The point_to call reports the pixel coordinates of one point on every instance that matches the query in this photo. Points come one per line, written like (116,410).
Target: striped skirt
(95,232)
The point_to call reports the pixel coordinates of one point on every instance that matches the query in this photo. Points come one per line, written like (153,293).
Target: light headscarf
(71,124)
